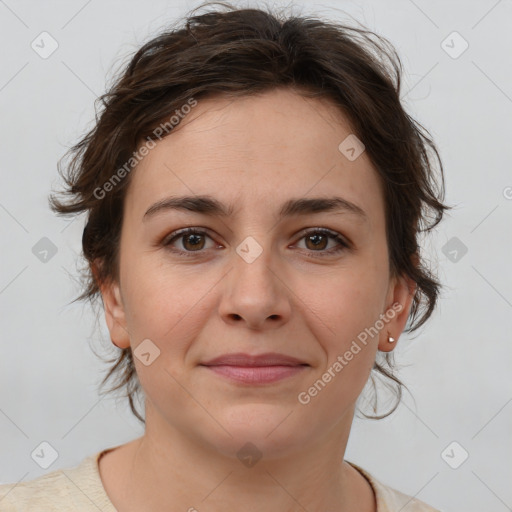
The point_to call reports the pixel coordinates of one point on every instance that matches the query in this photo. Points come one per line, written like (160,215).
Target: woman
(254,193)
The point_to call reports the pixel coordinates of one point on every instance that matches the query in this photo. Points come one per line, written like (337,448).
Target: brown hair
(239,52)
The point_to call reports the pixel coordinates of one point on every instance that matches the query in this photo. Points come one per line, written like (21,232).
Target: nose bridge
(255,258)
(253,289)
(253,262)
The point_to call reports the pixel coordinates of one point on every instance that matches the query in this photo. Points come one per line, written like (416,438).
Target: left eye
(317,239)
(320,237)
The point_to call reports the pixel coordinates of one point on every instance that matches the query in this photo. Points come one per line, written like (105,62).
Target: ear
(399,300)
(114,311)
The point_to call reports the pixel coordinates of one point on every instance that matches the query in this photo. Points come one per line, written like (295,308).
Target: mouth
(259,369)
(256,374)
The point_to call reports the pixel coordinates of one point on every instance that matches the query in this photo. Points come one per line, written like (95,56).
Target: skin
(255,153)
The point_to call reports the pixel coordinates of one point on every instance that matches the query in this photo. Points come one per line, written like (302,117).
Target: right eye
(191,241)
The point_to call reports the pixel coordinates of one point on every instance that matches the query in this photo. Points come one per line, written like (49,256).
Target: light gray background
(458,367)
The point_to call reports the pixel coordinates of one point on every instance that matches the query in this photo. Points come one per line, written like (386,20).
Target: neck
(168,468)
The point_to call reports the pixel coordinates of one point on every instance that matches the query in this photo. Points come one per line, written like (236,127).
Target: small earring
(390,339)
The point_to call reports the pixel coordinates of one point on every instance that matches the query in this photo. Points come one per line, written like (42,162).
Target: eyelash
(343,245)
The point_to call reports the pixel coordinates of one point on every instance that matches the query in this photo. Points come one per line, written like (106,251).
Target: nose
(254,290)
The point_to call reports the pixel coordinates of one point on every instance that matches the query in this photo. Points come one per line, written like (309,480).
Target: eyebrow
(208,205)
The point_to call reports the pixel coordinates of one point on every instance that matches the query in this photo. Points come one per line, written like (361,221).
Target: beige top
(80,489)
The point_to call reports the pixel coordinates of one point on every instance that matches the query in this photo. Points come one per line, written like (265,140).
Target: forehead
(257,152)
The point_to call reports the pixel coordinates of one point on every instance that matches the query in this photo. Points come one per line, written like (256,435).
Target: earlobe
(115,316)
(397,312)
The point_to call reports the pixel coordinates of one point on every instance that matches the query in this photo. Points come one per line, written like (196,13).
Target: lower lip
(256,374)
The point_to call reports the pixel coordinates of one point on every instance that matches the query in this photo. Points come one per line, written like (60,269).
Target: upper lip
(267,359)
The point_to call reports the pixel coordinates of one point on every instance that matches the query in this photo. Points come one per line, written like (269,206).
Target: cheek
(342,323)
(343,316)
(349,300)
(166,305)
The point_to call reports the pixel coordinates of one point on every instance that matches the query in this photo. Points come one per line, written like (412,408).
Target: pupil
(317,242)
(195,238)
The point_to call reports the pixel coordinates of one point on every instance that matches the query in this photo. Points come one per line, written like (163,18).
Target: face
(305,284)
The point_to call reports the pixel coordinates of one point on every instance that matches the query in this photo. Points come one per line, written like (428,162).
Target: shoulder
(78,488)
(391,500)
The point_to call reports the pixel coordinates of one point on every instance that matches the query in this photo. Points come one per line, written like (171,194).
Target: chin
(267,428)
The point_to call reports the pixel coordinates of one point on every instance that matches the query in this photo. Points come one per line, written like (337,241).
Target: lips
(251,370)
(261,360)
